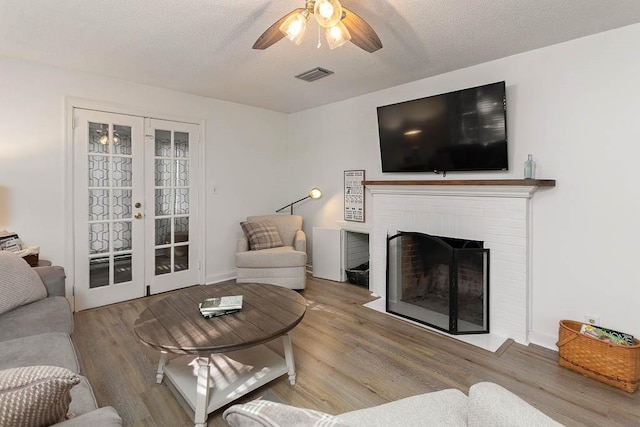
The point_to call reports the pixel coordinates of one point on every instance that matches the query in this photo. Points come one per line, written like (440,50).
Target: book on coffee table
(220,305)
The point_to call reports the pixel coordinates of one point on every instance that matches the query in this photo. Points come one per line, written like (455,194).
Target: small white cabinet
(327,253)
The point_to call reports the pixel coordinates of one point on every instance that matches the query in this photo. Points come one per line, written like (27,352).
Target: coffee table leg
(288,356)
(202,392)
(163,361)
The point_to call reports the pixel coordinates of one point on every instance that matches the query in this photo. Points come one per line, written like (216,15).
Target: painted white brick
(501,222)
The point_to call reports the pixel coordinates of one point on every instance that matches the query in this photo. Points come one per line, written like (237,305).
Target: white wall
(575,106)
(245,146)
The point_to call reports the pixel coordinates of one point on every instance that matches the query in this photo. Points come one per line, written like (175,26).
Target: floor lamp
(314,193)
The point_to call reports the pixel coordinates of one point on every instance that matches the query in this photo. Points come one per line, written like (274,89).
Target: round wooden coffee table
(224,356)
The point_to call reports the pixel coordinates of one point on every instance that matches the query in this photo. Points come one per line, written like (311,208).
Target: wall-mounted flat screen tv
(465,130)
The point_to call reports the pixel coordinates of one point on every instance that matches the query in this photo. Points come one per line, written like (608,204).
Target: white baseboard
(547,341)
(217,278)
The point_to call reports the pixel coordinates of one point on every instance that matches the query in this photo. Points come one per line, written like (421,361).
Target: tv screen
(465,130)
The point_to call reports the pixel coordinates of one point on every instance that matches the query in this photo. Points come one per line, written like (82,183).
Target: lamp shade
(328,12)
(315,193)
(337,35)
(294,26)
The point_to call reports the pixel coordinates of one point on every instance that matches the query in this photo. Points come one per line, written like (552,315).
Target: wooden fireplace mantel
(498,182)
(513,188)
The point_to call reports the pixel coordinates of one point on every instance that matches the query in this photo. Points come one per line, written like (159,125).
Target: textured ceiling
(203,47)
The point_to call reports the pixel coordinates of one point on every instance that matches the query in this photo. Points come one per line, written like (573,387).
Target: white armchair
(281,265)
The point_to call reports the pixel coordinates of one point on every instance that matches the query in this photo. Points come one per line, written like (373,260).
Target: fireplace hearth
(439,281)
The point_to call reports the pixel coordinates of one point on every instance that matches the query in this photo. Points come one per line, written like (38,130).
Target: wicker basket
(616,365)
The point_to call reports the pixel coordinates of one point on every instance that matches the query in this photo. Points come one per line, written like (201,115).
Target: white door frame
(87,104)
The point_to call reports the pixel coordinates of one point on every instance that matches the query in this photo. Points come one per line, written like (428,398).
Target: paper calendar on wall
(354,195)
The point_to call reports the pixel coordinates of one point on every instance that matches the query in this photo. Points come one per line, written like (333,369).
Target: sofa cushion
(54,348)
(493,405)
(441,408)
(284,256)
(261,234)
(103,417)
(264,413)
(82,398)
(51,314)
(19,284)
(35,395)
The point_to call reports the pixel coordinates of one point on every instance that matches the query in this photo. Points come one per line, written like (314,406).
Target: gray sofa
(487,404)
(39,334)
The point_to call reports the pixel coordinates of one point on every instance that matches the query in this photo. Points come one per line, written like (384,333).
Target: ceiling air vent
(315,74)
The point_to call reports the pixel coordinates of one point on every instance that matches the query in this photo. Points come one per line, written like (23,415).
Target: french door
(135,207)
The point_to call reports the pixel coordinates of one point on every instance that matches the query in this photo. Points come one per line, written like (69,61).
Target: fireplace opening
(441,282)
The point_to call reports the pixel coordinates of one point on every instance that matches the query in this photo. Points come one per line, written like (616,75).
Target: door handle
(137,215)
(138,205)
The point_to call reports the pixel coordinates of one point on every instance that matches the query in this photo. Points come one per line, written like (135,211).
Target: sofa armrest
(103,417)
(440,408)
(300,241)
(491,404)
(53,278)
(242,244)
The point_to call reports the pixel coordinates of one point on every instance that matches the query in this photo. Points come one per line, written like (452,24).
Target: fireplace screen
(439,281)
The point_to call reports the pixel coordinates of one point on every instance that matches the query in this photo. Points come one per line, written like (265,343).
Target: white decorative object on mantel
(499,215)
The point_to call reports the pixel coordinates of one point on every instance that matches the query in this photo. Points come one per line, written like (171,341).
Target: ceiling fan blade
(273,34)
(362,35)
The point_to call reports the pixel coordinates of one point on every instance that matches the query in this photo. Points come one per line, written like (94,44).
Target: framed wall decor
(354,195)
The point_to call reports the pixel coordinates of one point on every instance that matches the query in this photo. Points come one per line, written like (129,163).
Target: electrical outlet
(592,319)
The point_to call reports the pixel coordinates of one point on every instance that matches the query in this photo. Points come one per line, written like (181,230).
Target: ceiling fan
(341,25)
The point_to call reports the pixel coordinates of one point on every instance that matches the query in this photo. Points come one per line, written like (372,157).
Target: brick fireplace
(497,212)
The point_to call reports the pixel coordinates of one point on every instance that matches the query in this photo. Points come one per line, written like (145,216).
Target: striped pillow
(263,413)
(35,395)
(262,234)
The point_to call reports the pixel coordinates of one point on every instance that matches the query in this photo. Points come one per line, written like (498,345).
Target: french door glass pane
(122,204)
(163,173)
(98,272)
(181,258)
(122,139)
(163,261)
(182,201)
(122,236)
(163,143)
(182,174)
(163,231)
(122,268)
(98,138)
(98,238)
(182,144)
(163,202)
(98,171)
(98,205)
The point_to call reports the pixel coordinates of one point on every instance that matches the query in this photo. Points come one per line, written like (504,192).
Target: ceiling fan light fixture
(337,35)
(328,12)
(294,26)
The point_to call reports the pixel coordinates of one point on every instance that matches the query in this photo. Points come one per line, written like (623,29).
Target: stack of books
(219,306)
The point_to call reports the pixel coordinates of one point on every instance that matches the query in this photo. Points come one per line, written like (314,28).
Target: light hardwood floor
(347,357)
